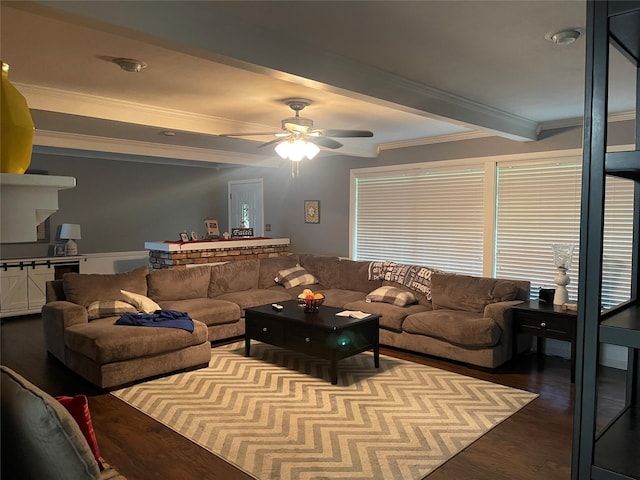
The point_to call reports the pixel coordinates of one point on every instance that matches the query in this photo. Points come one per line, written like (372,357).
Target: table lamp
(562,253)
(70,232)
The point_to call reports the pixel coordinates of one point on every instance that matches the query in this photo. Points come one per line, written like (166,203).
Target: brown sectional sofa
(462,318)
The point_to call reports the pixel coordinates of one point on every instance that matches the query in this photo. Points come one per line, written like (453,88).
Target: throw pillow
(393,295)
(78,407)
(141,302)
(109,308)
(294,276)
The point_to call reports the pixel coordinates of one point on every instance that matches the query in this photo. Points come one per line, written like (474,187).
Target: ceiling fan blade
(346,133)
(250,134)
(324,142)
(275,140)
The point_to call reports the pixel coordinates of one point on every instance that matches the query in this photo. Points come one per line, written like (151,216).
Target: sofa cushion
(255,297)
(471,294)
(108,308)
(234,276)
(210,311)
(103,342)
(467,329)
(324,267)
(337,297)
(83,288)
(269,268)
(392,295)
(141,302)
(354,275)
(392,316)
(294,276)
(179,283)
(40,438)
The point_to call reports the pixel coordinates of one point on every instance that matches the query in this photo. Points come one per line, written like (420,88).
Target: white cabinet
(22,288)
(23,282)
(13,290)
(36,286)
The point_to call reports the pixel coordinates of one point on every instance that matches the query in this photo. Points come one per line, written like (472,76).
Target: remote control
(277,307)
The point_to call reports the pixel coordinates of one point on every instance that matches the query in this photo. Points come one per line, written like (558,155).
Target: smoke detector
(564,37)
(129,64)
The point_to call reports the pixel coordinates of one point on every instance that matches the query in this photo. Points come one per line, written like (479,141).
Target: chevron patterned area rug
(277,417)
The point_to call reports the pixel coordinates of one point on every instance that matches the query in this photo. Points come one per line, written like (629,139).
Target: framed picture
(312,211)
(194,236)
(213,230)
(59,249)
(184,237)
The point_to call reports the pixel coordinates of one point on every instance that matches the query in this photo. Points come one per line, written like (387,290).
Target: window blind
(425,218)
(538,205)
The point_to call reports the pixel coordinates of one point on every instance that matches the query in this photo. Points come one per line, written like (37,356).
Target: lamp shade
(70,231)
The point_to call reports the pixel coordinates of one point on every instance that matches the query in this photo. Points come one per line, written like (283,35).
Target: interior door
(246,205)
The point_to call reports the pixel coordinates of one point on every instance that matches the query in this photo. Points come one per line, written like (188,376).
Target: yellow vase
(17,128)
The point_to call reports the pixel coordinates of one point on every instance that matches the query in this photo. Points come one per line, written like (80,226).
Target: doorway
(246,208)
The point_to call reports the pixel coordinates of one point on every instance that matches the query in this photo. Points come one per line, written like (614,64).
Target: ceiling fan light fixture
(296,150)
(311,150)
(282,149)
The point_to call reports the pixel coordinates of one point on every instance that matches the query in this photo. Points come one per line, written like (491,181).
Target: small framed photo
(213,231)
(60,250)
(194,236)
(312,211)
(184,237)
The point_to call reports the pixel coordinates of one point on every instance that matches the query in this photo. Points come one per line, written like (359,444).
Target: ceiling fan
(300,128)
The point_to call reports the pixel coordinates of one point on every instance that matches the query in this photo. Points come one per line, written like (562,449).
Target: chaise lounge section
(457,317)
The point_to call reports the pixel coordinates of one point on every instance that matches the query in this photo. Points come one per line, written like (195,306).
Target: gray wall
(122,204)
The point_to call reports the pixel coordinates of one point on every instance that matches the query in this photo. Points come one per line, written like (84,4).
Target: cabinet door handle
(264,329)
(307,339)
(543,324)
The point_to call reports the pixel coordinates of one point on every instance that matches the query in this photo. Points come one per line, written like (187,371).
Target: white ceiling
(412,72)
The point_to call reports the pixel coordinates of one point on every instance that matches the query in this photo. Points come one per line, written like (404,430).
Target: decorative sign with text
(242,232)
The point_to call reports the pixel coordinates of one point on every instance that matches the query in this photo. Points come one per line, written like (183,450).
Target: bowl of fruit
(311,301)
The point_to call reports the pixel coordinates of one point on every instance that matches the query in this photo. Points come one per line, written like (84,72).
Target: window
(537,205)
(439,214)
(432,218)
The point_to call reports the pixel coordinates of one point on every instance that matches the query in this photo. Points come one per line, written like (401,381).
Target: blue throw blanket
(159,318)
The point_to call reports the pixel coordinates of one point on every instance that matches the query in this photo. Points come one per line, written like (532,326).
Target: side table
(545,320)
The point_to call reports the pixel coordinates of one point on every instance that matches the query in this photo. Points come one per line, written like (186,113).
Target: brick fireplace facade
(166,256)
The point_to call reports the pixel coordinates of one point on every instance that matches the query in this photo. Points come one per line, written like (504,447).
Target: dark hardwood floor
(535,443)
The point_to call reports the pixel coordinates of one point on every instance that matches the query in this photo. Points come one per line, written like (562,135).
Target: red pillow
(78,407)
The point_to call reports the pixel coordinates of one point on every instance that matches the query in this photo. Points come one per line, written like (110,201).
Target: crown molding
(579,121)
(454,137)
(471,135)
(78,103)
(148,149)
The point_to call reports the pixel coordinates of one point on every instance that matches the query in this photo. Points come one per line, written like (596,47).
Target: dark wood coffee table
(321,334)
